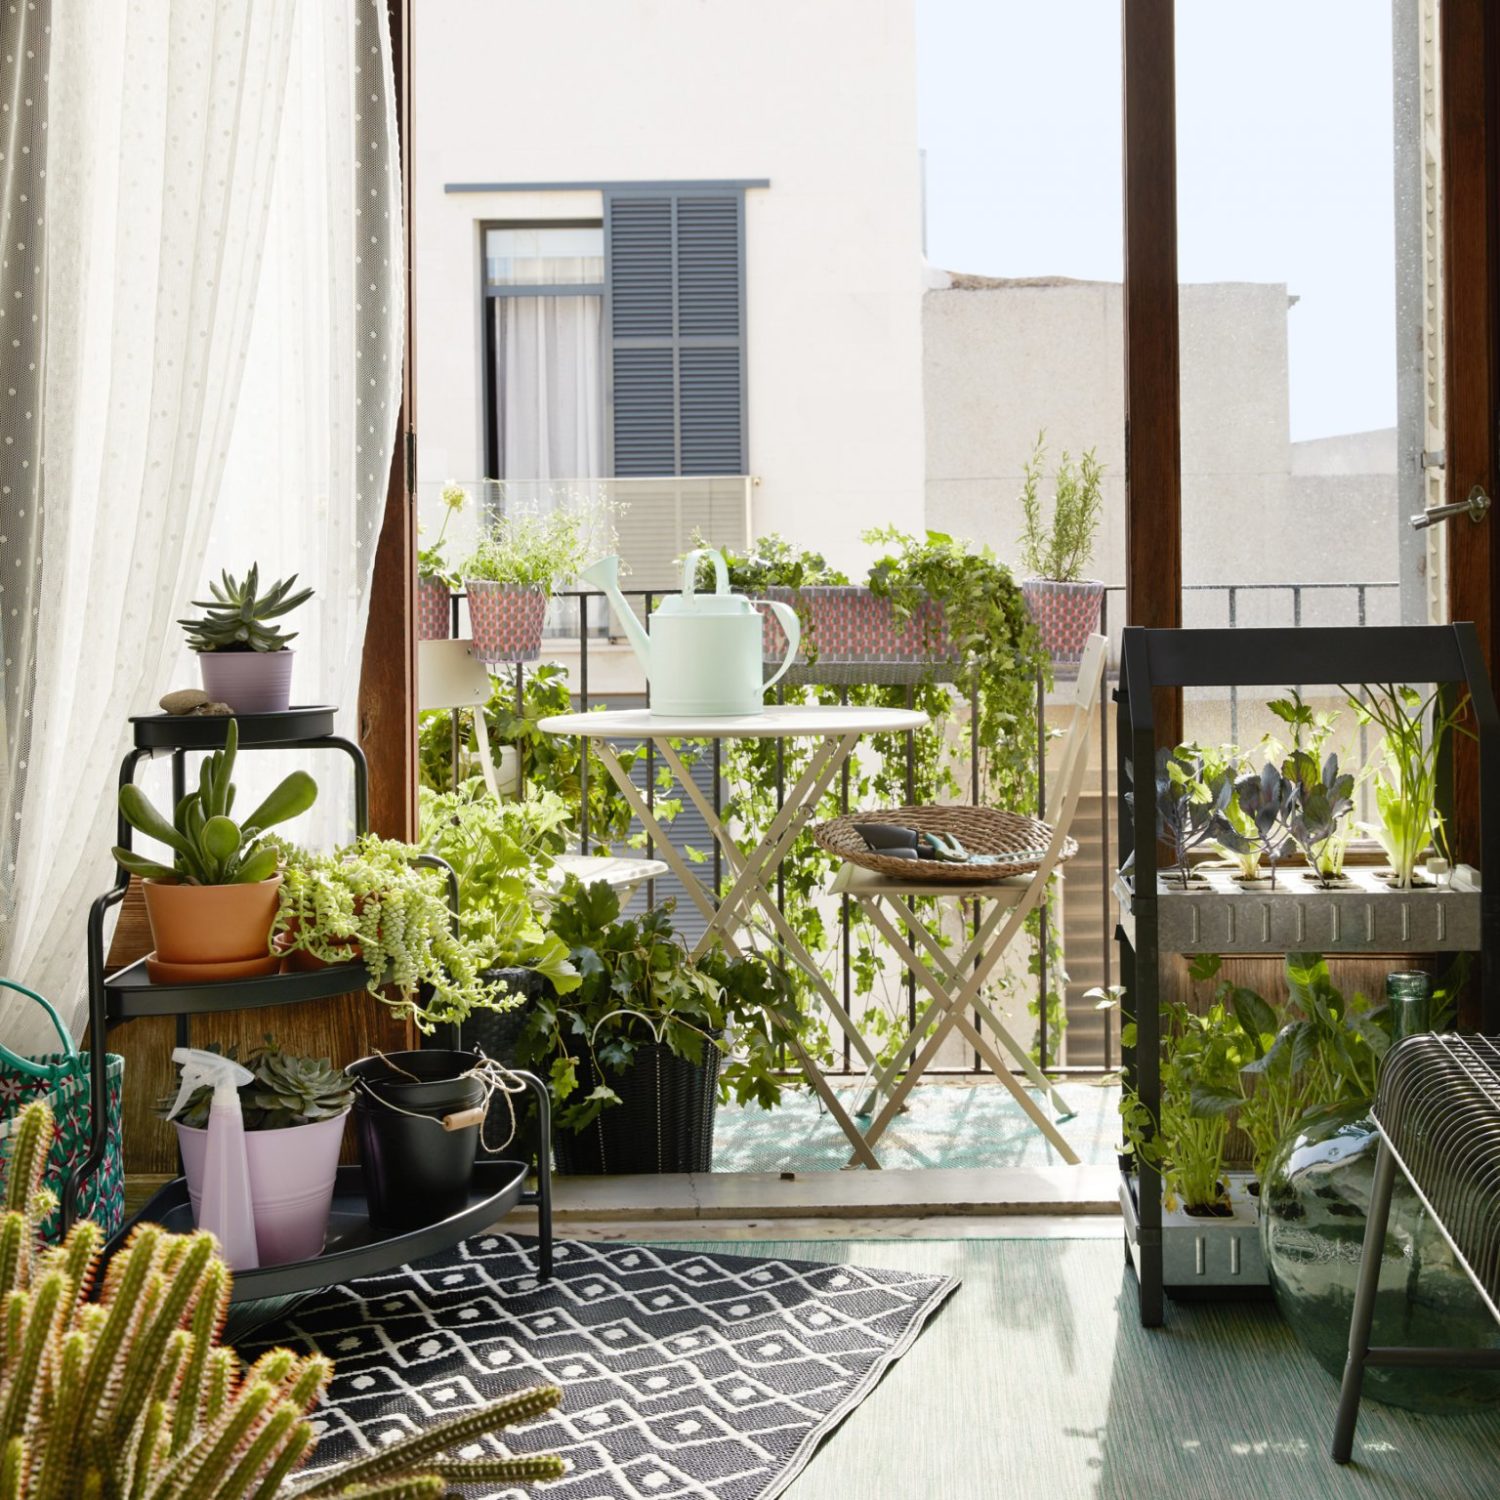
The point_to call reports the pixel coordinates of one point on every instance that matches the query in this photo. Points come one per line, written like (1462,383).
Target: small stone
(212,711)
(183,700)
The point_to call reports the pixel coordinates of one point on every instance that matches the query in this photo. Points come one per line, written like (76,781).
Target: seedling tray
(1362,913)
(355,1246)
(1203,1253)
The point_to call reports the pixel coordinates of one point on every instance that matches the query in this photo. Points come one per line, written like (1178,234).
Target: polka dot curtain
(221,307)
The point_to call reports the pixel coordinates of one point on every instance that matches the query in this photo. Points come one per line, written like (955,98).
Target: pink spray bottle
(225,1209)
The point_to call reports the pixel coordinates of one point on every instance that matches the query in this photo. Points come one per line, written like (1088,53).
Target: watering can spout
(605,575)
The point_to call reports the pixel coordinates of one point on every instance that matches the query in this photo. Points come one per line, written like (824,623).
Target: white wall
(818,98)
(1004,359)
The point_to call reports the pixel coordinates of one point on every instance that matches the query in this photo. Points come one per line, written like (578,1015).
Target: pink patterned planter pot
(1066,614)
(846,625)
(506,620)
(434,610)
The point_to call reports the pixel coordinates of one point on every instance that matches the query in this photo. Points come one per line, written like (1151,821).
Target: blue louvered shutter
(675,277)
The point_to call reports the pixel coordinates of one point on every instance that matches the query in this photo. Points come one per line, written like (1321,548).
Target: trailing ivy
(999,663)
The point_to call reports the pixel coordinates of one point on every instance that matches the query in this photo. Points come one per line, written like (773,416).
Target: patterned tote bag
(62,1079)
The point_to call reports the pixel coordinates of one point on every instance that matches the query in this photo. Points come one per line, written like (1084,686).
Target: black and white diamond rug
(684,1373)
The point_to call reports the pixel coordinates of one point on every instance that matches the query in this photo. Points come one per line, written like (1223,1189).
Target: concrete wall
(820,99)
(1004,359)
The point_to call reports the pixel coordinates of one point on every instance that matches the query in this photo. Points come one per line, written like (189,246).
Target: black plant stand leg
(1364,1302)
(543,1195)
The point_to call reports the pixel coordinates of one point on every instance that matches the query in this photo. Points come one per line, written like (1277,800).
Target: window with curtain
(544,300)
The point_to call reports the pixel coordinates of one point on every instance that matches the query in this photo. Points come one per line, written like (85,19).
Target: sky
(1284,165)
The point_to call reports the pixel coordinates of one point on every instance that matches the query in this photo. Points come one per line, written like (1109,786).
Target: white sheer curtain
(548,387)
(221,315)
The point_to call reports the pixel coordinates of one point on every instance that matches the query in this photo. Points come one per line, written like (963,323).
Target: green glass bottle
(1312,1223)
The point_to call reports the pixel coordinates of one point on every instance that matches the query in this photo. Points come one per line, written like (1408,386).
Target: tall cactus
(130,1396)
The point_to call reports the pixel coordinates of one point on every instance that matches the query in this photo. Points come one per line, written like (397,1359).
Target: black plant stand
(355,1247)
(1157,920)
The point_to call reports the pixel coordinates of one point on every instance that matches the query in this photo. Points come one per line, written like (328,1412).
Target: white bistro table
(838,730)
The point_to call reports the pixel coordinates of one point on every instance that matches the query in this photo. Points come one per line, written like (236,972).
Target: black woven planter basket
(664,1122)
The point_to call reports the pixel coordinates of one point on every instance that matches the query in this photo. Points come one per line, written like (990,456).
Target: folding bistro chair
(955,982)
(450,676)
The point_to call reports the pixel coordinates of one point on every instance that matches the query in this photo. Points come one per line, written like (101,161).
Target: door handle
(1476,507)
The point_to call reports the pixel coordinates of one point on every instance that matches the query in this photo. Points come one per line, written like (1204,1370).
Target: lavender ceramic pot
(292,1173)
(250,682)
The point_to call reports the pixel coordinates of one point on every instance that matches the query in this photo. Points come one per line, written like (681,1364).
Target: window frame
(492,290)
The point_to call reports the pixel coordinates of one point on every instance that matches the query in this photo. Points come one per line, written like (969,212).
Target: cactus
(131,1395)
(209,847)
(237,614)
(287,1091)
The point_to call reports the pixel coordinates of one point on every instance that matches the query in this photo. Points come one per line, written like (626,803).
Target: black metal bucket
(495,1033)
(417,1168)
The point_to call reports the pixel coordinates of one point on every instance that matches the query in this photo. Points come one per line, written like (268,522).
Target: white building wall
(820,99)
(1004,360)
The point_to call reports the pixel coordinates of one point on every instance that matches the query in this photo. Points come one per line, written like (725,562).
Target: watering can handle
(792,626)
(690,571)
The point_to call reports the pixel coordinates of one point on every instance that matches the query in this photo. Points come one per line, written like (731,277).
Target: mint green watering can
(703,657)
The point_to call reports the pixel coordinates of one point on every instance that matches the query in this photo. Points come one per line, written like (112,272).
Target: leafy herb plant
(501,852)
(1061,550)
(1414,729)
(530,550)
(639,988)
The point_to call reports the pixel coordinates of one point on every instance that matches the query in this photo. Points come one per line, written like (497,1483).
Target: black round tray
(194,732)
(354,1246)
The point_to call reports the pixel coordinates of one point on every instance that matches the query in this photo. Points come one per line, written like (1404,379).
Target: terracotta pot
(506,620)
(211,924)
(1066,614)
(250,682)
(850,625)
(292,1173)
(300,959)
(434,610)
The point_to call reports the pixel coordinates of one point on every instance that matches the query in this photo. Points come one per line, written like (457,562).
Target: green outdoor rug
(1037,1382)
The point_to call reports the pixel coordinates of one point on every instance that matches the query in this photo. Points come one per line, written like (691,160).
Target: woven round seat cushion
(981,830)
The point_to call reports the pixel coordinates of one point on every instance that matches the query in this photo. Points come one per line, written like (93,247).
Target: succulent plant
(133,1395)
(237,614)
(287,1091)
(210,848)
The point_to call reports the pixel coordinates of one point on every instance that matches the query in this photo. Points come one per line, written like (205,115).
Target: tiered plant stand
(1214,914)
(354,1247)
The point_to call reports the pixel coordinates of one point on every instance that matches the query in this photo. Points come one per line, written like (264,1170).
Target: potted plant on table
(211,910)
(246,661)
(509,577)
(1064,604)
(294,1112)
(436,580)
(640,1052)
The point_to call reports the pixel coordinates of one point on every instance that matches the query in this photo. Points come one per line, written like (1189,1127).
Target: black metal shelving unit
(354,1247)
(1462,918)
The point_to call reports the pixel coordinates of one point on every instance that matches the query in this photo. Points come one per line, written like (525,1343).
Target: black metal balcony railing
(1207,604)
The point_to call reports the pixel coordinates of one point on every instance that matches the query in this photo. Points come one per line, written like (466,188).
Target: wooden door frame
(388,673)
(1153,416)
